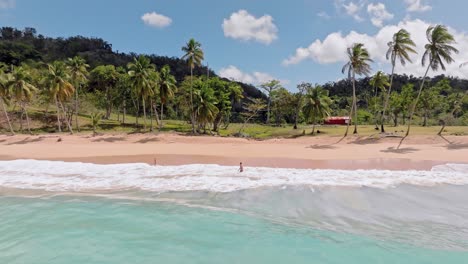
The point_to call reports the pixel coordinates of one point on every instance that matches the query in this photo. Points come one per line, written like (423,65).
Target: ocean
(64,212)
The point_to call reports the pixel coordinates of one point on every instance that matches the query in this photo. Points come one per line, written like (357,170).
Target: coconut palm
(95,120)
(166,88)
(5,97)
(379,81)
(60,89)
(194,56)
(398,50)
(316,105)
(79,71)
(140,71)
(437,51)
(22,89)
(358,63)
(205,105)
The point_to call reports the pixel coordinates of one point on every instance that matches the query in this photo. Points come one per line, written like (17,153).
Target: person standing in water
(241,168)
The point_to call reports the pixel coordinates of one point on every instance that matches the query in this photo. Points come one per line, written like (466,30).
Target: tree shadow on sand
(147,140)
(316,146)
(109,139)
(457,146)
(26,141)
(399,150)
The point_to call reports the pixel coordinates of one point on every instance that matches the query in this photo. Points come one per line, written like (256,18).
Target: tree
(5,97)
(379,81)
(316,105)
(79,71)
(105,77)
(438,50)
(303,87)
(22,89)
(194,56)
(95,120)
(205,105)
(60,89)
(427,102)
(358,63)
(140,72)
(252,108)
(166,88)
(269,87)
(398,49)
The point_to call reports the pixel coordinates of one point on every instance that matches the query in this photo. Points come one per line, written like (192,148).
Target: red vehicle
(337,120)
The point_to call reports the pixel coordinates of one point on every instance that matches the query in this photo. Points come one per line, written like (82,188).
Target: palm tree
(438,50)
(398,49)
(194,56)
(317,105)
(379,81)
(79,71)
(5,96)
(60,89)
(95,120)
(205,105)
(140,72)
(358,63)
(22,89)
(166,88)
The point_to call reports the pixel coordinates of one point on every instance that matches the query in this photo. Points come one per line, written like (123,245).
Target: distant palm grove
(74,84)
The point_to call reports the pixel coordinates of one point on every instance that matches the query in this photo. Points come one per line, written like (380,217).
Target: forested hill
(18,46)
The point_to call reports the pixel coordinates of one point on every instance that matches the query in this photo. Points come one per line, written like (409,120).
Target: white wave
(86,177)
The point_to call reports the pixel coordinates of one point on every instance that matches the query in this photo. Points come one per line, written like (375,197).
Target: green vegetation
(80,84)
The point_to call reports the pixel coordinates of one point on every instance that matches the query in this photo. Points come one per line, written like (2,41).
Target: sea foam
(87,177)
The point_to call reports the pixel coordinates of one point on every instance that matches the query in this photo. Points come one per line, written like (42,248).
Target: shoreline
(419,153)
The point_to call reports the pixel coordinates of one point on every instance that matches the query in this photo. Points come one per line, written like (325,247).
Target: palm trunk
(349,122)
(268,108)
(6,115)
(355,104)
(156,114)
(162,116)
(59,124)
(151,115)
(192,113)
(313,128)
(66,119)
(124,112)
(144,114)
(76,109)
(415,104)
(387,99)
(27,118)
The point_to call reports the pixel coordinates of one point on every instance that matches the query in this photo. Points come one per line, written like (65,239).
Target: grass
(42,123)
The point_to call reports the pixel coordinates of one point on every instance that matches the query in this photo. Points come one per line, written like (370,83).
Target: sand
(354,152)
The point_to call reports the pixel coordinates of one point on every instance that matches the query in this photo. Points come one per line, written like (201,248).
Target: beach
(324,152)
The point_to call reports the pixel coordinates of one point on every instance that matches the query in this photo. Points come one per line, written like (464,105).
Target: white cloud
(244,26)
(417,6)
(353,10)
(378,14)
(256,78)
(323,15)
(156,20)
(333,48)
(6,4)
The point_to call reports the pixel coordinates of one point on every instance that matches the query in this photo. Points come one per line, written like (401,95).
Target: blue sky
(259,39)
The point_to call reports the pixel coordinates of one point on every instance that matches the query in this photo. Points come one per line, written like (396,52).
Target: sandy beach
(354,152)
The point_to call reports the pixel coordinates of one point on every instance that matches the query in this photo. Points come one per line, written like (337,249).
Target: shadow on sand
(109,139)
(316,146)
(399,150)
(26,141)
(147,140)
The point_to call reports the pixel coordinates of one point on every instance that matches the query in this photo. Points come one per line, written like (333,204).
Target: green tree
(22,89)
(428,100)
(167,88)
(205,105)
(316,105)
(358,63)
(5,97)
(380,82)
(438,50)
(105,77)
(79,72)
(269,87)
(252,108)
(299,100)
(141,72)
(194,56)
(398,49)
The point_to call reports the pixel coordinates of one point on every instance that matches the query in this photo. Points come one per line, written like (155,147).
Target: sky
(252,41)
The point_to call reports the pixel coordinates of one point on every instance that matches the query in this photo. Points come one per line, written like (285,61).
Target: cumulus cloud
(353,10)
(256,78)
(417,6)
(154,19)
(6,4)
(333,48)
(244,26)
(378,14)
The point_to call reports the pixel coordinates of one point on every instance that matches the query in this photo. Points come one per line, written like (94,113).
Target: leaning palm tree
(358,63)
(379,81)
(317,105)
(166,88)
(22,89)
(398,49)
(60,89)
(140,73)
(438,50)
(194,56)
(5,97)
(79,71)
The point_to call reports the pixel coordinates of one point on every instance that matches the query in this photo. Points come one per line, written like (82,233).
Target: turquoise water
(93,230)
(67,213)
